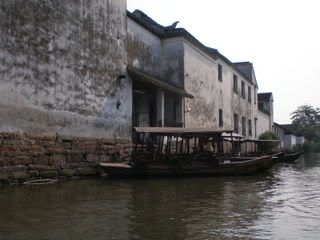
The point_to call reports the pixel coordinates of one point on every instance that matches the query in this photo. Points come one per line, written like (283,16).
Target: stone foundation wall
(27,156)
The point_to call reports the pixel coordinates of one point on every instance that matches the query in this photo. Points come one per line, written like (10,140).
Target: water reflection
(282,204)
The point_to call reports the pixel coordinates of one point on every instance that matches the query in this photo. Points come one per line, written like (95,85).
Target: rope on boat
(40,182)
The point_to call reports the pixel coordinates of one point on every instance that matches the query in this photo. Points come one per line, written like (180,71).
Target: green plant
(306,121)
(268,136)
(268,145)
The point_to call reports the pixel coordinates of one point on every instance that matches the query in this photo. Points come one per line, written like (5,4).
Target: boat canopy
(261,141)
(181,131)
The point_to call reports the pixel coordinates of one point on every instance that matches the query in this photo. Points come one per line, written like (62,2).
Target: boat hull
(291,157)
(232,167)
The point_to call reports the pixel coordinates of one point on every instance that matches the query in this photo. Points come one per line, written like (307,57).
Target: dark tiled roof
(263,97)
(147,22)
(146,78)
(288,128)
(169,32)
(246,68)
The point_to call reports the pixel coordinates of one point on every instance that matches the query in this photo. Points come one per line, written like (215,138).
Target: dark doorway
(144,105)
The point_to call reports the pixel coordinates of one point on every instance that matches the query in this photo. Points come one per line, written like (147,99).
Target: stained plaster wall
(210,94)
(290,142)
(173,62)
(157,57)
(144,49)
(263,124)
(280,133)
(59,68)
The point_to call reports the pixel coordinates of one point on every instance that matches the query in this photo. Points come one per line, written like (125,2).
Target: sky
(280,37)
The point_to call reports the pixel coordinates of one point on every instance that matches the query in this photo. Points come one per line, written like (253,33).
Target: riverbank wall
(27,156)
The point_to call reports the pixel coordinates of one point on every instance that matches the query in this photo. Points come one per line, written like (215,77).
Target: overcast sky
(280,37)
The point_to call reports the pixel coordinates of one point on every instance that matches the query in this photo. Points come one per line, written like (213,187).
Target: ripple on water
(281,204)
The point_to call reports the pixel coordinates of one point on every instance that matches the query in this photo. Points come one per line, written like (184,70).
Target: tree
(306,121)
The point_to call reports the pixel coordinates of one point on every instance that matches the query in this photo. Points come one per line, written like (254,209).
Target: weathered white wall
(152,55)
(199,73)
(160,58)
(263,124)
(201,80)
(59,68)
(172,61)
(144,49)
(280,133)
(289,142)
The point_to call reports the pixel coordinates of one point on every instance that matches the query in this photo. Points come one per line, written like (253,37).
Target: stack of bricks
(26,156)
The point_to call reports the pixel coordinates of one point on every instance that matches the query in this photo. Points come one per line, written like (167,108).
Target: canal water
(281,204)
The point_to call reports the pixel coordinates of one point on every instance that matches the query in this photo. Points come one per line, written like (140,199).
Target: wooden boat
(226,167)
(290,157)
(279,155)
(168,152)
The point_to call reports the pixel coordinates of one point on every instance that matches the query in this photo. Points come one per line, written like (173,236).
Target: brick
(41,167)
(48,174)
(86,171)
(3,175)
(68,172)
(22,160)
(38,150)
(79,165)
(106,148)
(55,150)
(66,145)
(75,158)
(37,137)
(92,158)
(58,159)
(17,168)
(34,173)
(19,175)
(4,161)
(104,158)
(85,146)
(42,160)
(47,144)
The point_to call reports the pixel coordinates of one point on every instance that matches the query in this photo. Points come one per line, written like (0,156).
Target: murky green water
(281,204)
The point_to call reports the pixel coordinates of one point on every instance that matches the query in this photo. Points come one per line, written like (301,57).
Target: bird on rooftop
(173,25)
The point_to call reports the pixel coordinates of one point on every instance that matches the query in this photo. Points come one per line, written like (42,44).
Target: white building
(265,112)
(184,83)
(289,140)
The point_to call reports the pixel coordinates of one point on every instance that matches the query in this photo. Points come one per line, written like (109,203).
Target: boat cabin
(183,144)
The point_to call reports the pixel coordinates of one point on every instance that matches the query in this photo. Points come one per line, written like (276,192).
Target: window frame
(243,90)
(235,84)
(236,122)
(243,126)
(220,117)
(220,70)
(250,127)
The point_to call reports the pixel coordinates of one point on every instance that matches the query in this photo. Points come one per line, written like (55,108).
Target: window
(243,90)
(220,72)
(235,83)
(236,123)
(249,94)
(243,123)
(255,127)
(220,118)
(250,127)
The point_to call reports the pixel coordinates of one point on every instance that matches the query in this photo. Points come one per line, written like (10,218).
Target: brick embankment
(25,156)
